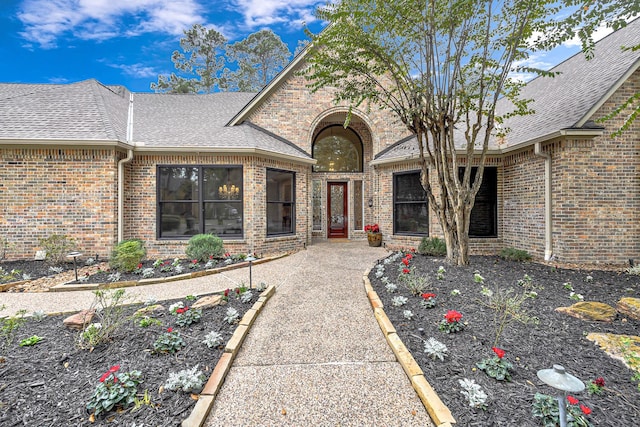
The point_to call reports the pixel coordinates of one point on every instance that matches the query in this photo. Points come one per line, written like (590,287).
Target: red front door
(337,209)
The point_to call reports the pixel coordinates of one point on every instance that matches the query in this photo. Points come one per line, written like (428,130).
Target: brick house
(272,171)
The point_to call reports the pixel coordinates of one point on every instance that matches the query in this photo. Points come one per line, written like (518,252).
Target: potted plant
(374,236)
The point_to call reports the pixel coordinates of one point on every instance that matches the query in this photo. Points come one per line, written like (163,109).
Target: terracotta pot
(375,239)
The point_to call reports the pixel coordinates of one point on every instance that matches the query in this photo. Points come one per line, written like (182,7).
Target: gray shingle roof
(85,110)
(90,111)
(561,102)
(167,120)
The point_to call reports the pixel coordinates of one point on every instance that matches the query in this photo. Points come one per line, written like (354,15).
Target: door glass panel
(317,205)
(357,205)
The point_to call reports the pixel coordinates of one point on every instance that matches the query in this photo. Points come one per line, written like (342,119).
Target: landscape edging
(437,410)
(208,395)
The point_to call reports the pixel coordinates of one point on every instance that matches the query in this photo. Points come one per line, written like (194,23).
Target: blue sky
(130,42)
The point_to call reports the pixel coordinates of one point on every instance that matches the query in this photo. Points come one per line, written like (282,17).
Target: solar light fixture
(559,379)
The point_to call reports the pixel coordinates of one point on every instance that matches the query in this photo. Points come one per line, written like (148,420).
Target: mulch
(49,384)
(556,339)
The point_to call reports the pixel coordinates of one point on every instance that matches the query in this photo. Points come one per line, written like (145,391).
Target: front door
(337,209)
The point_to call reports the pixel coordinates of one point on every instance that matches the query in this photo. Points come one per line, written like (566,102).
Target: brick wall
(46,191)
(140,204)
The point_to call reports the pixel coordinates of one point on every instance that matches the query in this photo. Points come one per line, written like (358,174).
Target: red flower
(406,271)
(453,316)
(599,382)
(181,310)
(428,296)
(372,228)
(105,376)
(405,261)
(114,368)
(169,330)
(139,266)
(238,291)
(585,409)
(194,261)
(226,292)
(499,352)
(572,400)
(409,256)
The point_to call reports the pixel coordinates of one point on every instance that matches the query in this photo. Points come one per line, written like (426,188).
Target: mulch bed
(557,339)
(97,273)
(49,384)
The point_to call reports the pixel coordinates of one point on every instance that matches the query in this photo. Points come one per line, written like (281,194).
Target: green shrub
(432,246)
(203,246)
(57,247)
(127,255)
(512,254)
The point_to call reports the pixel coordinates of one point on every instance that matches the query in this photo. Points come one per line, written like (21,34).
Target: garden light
(250,258)
(560,380)
(74,255)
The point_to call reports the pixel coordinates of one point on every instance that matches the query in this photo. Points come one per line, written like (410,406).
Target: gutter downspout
(121,163)
(548,229)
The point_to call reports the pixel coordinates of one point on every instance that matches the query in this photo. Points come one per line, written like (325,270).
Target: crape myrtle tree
(202,64)
(440,67)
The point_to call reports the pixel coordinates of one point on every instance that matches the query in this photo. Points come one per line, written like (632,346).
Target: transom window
(280,202)
(199,199)
(410,208)
(337,150)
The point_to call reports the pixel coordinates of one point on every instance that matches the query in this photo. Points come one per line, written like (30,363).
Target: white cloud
(535,60)
(47,20)
(601,32)
(136,70)
(259,13)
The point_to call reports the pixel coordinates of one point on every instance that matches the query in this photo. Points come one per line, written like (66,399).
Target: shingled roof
(89,112)
(83,111)
(564,102)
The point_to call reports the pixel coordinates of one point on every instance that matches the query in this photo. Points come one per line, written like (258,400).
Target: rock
(208,301)
(590,310)
(78,320)
(148,310)
(630,307)
(616,345)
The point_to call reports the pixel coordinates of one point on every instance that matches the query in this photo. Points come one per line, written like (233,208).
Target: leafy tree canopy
(202,63)
(440,66)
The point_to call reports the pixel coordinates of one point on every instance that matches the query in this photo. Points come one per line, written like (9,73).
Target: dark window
(337,150)
(280,202)
(410,208)
(483,221)
(199,199)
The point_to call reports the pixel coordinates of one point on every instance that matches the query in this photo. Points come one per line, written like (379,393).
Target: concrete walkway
(315,355)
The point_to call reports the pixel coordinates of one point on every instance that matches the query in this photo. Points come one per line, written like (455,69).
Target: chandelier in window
(229,192)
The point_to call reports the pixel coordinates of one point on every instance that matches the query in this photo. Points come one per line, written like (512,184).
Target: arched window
(337,150)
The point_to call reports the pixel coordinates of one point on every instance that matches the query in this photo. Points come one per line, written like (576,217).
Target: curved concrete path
(315,355)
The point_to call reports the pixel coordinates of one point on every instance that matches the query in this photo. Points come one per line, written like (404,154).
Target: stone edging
(438,411)
(66,287)
(208,394)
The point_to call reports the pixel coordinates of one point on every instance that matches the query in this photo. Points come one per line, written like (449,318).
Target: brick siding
(46,191)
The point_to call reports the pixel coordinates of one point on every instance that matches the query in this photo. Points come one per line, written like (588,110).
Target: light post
(560,380)
(250,258)
(74,255)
